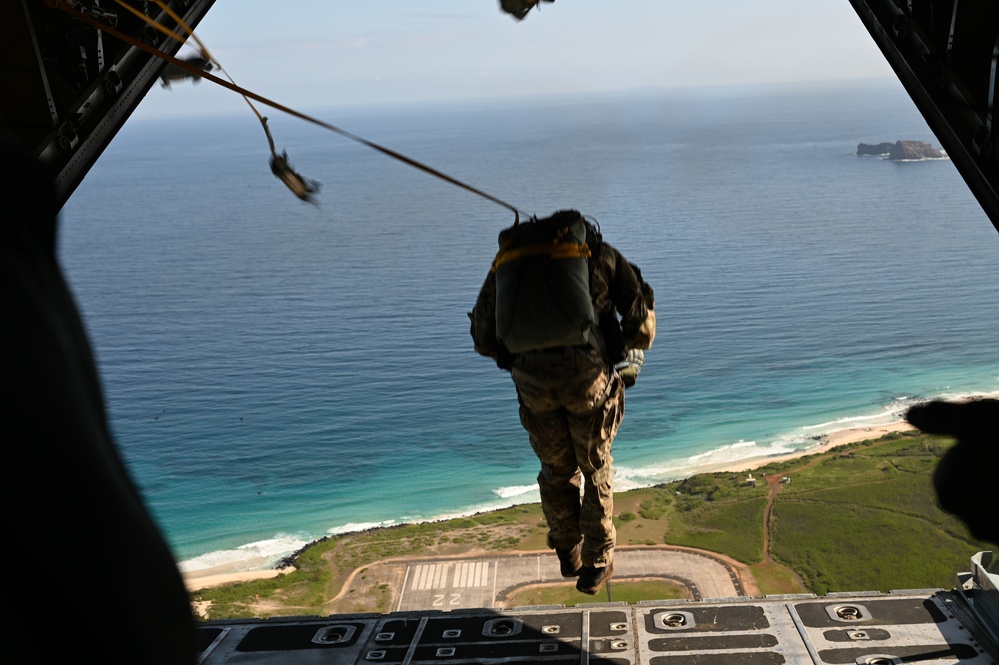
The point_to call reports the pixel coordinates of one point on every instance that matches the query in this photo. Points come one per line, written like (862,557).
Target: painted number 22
(439,599)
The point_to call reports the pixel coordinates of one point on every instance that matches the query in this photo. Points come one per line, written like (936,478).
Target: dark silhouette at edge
(89,572)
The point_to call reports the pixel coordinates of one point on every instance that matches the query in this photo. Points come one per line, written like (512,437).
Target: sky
(318,54)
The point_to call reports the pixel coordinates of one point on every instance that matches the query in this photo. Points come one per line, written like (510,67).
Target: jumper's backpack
(543,284)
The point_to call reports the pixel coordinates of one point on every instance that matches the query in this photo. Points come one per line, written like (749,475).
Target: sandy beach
(202,579)
(828,442)
(206,578)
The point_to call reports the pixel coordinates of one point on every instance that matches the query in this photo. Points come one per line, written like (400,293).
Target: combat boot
(591,579)
(570,561)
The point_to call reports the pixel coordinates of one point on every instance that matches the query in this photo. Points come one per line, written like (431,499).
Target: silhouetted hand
(519,8)
(965,479)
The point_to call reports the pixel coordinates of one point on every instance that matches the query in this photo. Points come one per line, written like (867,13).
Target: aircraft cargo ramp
(924,626)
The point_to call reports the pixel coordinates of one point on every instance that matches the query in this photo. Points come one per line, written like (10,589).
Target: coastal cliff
(874,149)
(901,150)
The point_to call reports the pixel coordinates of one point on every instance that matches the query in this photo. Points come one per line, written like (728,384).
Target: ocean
(278,371)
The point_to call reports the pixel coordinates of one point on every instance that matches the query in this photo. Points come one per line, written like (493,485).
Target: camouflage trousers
(571,404)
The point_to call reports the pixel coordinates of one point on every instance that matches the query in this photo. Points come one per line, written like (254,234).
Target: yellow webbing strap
(156,24)
(204,51)
(558,250)
(67,6)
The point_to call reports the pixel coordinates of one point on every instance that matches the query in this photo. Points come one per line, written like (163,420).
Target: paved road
(449,584)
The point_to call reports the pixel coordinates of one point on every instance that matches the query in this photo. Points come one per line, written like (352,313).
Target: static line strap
(204,51)
(154,23)
(207,55)
(559,250)
(63,6)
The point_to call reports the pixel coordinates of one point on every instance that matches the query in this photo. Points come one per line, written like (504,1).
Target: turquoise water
(278,371)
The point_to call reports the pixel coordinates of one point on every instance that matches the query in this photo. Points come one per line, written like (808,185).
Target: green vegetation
(655,506)
(621,591)
(867,520)
(860,517)
(773,578)
(324,567)
(733,527)
(232,601)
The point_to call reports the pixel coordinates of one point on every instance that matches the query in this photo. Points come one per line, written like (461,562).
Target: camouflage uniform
(572,402)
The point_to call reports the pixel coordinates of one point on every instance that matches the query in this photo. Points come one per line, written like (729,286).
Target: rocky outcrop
(901,150)
(914,150)
(874,149)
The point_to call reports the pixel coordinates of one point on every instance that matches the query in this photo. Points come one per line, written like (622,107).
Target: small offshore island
(860,514)
(901,151)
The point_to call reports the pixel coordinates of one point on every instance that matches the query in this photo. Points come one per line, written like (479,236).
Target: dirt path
(774,483)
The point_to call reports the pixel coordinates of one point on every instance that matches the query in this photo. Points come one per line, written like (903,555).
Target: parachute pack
(543,284)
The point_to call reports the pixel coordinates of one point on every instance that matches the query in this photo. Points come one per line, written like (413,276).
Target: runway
(484,582)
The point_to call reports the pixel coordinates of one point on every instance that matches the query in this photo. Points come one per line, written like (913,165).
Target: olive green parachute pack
(543,284)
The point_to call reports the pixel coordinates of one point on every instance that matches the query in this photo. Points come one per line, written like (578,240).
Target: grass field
(861,517)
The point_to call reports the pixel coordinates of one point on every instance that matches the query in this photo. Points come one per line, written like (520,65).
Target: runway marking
(471,574)
(495,579)
(402,590)
(430,576)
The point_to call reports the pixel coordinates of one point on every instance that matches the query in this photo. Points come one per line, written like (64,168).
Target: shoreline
(825,443)
(200,579)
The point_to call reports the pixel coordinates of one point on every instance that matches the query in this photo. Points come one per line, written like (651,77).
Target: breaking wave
(256,555)
(515,490)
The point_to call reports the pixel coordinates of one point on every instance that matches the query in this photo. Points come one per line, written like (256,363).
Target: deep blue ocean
(277,371)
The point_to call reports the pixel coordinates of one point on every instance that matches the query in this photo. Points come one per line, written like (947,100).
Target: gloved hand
(631,366)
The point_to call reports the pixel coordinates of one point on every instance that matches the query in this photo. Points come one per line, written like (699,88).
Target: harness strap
(559,250)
